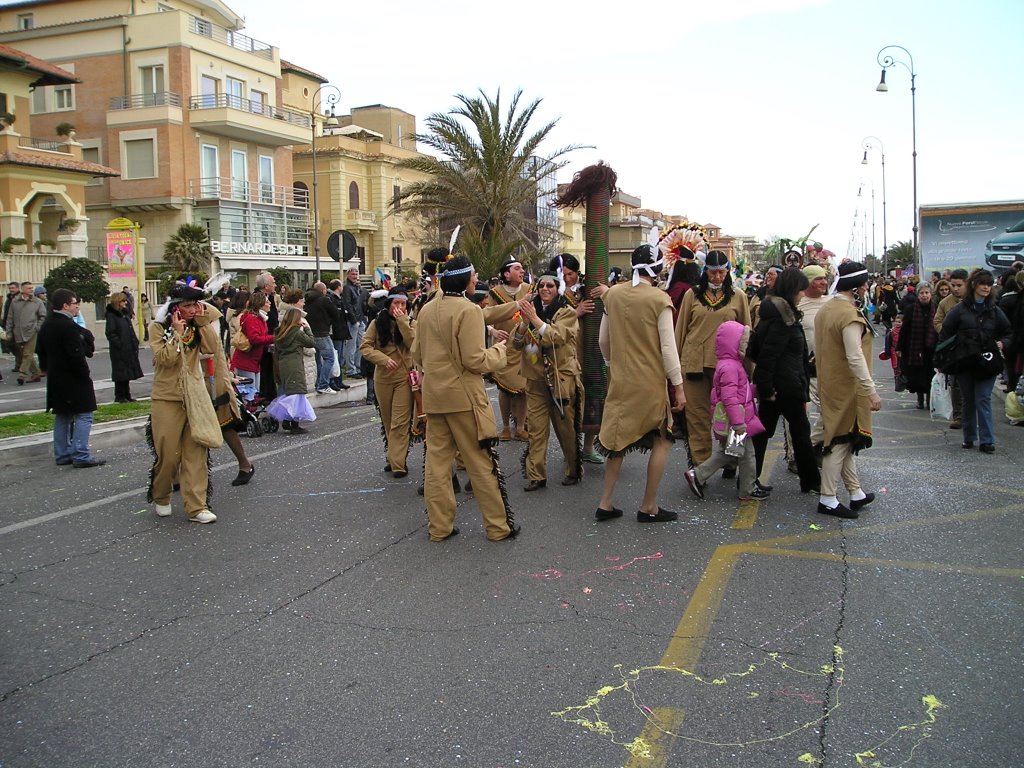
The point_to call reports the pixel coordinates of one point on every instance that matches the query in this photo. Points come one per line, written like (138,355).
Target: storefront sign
(258,249)
(121,253)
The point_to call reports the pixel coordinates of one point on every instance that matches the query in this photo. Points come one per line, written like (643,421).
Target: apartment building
(188,110)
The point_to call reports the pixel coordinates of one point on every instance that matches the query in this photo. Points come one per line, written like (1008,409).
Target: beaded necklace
(713,298)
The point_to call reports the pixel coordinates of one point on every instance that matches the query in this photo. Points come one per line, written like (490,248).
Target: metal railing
(236,40)
(212,101)
(225,188)
(135,101)
(47,144)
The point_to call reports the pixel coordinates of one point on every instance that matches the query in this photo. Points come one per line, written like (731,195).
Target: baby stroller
(254,417)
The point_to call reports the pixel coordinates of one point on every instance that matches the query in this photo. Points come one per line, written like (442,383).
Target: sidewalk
(15,451)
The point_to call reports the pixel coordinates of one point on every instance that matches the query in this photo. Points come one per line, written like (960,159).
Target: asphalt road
(315,625)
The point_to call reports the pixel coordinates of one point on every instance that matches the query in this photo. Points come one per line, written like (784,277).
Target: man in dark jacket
(339,334)
(322,316)
(63,347)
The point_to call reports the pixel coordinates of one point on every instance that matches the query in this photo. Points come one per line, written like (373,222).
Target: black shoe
(400,473)
(967,444)
(455,532)
(64,462)
(512,533)
(570,480)
(856,504)
(987,448)
(469,486)
(419,490)
(662,516)
(340,386)
(838,511)
(535,485)
(243,478)
(387,467)
(728,474)
(297,430)
(768,488)
(88,463)
(456,487)
(605,514)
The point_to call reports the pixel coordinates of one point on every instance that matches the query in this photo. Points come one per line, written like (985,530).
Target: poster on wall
(121,254)
(963,238)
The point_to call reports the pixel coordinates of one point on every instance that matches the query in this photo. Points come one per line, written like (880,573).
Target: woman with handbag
(980,329)
(916,344)
(387,345)
(250,341)
(183,424)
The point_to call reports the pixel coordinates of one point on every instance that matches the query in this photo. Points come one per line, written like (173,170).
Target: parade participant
(123,348)
(63,348)
(511,384)
(916,344)
(842,347)
(387,344)
(781,375)
(291,339)
(178,343)
(547,337)
(449,348)
(958,287)
(636,341)
(980,326)
(705,307)
(765,289)
(815,297)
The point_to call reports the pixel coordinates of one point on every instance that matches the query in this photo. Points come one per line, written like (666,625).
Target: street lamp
(886,61)
(869,143)
(859,189)
(332,96)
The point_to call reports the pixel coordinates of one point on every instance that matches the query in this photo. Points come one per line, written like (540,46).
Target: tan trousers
(395,402)
(541,414)
(817,427)
(698,416)
(447,432)
(839,462)
(177,453)
(26,353)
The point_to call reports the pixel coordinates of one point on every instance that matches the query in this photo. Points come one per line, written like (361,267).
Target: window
(63,98)
(26,21)
(396,254)
(38,100)
(396,198)
(139,159)
(353,196)
(3,103)
(235,89)
(266,179)
(209,182)
(92,155)
(208,88)
(152,82)
(301,194)
(239,176)
(258,102)
(202,27)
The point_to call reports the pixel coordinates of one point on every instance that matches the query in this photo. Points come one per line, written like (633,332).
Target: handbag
(988,362)
(202,417)
(901,382)
(735,444)
(240,341)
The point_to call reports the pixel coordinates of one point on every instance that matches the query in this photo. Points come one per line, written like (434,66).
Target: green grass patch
(21,424)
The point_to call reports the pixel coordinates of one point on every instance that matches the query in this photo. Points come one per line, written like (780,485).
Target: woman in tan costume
(510,381)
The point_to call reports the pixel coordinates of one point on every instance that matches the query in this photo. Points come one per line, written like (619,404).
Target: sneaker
(838,511)
(204,516)
(856,504)
(987,448)
(661,516)
(755,495)
(695,485)
(593,457)
(769,488)
(325,391)
(162,510)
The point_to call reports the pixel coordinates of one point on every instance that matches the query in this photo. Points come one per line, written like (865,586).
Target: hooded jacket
(730,384)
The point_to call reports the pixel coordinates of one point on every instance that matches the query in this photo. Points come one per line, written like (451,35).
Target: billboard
(121,253)
(956,236)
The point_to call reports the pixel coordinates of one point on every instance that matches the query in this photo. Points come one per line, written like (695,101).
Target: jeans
(324,349)
(71,437)
(977,409)
(248,391)
(352,356)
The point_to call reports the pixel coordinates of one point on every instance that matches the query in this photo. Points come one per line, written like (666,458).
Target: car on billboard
(1002,250)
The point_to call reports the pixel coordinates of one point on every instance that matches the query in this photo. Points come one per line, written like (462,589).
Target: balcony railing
(213,101)
(47,144)
(236,40)
(224,188)
(164,99)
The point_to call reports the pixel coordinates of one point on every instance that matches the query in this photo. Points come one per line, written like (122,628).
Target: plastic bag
(336,366)
(942,401)
(735,444)
(1014,409)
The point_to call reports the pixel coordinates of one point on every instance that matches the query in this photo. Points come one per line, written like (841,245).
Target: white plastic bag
(336,366)
(1014,409)
(942,402)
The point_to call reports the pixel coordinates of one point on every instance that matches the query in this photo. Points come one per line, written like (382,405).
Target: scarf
(921,340)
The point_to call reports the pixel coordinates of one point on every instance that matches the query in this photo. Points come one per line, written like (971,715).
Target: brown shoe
(505,435)
(955,425)
(522,435)
(570,480)
(535,485)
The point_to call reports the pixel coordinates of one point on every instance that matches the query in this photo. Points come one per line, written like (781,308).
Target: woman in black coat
(124,348)
(781,375)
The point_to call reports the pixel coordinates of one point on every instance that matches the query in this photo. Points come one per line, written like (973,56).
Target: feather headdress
(687,240)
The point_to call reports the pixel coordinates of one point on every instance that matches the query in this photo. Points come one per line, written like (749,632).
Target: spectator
(290,340)
(253,323)
(123,347)
(916,344)
(322,316)
(355,298)
(26,316)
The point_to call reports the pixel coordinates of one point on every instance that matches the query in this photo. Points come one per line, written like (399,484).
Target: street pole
(333,96)
(887,61)
(868,145)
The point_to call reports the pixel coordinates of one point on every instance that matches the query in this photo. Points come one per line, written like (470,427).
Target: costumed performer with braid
(547,336)
(636,341)
(705,307)
(179,342)
(449,348)
(511,384)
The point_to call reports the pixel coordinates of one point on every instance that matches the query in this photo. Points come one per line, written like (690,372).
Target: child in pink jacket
(731,386)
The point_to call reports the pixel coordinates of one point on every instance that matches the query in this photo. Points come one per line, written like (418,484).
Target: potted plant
(69,225)
(66,130)
(14,245)
(6,120)
(45,246)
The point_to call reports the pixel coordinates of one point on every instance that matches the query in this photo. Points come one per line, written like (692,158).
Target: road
(315,625)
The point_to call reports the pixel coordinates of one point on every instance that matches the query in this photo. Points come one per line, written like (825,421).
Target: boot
(920,401)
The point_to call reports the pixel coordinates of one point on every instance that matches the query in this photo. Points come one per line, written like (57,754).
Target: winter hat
(811,271)
(39,291)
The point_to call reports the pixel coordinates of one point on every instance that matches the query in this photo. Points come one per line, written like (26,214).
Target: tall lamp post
(870,143)
(859,190)
(886,60)
(332,96)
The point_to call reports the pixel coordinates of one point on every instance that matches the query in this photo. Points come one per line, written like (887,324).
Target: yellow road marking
(906,565)
(659,735)
(746,512)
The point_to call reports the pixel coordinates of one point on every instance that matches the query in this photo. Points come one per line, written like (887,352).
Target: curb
(16,451)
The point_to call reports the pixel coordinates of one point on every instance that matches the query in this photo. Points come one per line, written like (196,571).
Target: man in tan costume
(636,341)
(449,349)
(547,338)
(510,381)
(842,348)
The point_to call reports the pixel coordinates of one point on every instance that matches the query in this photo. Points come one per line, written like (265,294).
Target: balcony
(232,39)
(224,188)
(145,108)
(247,120)
(364,220)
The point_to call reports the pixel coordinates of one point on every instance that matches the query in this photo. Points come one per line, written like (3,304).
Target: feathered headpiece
(687,240)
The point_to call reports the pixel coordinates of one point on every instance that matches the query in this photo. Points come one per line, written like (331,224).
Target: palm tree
(487,177)
(188,250)
(900,254)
